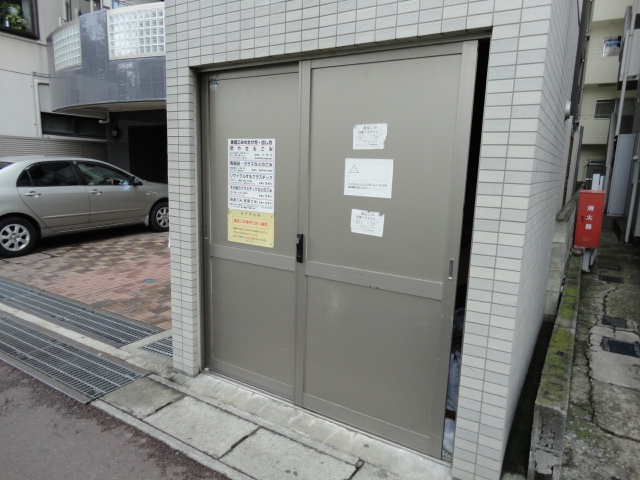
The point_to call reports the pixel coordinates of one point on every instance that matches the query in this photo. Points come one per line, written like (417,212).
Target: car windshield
(4,164)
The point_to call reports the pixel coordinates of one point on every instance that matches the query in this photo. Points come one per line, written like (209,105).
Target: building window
(67,125)
(18,16)
(608,106)
(604,108)
(66,48)
(136,32)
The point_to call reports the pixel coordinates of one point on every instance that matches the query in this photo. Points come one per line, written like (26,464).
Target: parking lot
(124,271)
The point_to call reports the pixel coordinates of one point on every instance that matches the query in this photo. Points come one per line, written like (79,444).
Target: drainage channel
(73,370)
(161,347)
(108,327)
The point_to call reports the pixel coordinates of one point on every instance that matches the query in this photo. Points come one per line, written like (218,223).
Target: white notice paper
(368,177)
(369,136)
(367,223)
(251,174)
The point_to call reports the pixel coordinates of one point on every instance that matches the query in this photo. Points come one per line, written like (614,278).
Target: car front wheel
(17,237)
(159,217)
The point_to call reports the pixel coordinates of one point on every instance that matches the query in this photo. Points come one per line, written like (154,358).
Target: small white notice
(367,223)
(370,136)
(368,177)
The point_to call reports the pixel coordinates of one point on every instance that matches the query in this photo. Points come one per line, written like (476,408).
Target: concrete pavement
(602,436)
(46,434)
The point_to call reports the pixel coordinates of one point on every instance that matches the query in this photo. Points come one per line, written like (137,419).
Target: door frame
(467,46)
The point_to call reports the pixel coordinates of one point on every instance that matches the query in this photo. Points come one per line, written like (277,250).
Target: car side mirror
(135,181)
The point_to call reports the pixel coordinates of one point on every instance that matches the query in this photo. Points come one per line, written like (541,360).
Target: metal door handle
(32,194)
(95,191)
(300,248)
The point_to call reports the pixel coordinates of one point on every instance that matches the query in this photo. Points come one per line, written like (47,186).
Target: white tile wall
(529,77)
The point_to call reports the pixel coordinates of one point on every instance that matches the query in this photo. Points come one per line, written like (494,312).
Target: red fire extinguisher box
(589,221)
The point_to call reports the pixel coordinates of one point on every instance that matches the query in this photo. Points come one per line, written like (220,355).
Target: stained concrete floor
(602,436)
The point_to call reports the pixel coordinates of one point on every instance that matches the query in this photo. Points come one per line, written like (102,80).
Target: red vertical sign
(589,221)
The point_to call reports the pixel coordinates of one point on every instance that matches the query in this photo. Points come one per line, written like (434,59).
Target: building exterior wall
(609,9)
(24,81)
(531,60)
(20,114)
(596,130)
(600,80)
(600,69)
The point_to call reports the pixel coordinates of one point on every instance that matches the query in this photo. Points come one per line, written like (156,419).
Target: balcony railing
(132,32)
(136,31)
(66,47)
(109,57)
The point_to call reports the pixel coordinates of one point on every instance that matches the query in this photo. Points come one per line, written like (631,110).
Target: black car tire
(159,217)
(17,237)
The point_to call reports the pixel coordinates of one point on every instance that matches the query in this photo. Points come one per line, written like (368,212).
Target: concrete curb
(172,441)
(552,401)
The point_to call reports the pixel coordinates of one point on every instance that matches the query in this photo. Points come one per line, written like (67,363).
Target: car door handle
(95,191)
(32,194)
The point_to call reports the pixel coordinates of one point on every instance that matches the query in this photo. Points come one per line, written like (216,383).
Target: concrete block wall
(531,57)
(562,243)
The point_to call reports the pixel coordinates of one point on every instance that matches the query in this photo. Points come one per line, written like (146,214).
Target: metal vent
(610,279)
(614,322)
(161,347)
(623,348)
(79,373)
(108,327)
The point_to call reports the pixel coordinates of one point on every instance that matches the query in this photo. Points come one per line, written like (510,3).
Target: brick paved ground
(125,271)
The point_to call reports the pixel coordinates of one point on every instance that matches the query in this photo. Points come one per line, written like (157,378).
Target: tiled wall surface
(529,80)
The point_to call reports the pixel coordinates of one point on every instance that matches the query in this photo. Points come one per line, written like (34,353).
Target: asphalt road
(46,435)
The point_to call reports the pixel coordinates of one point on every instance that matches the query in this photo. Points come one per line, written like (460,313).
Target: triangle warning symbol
(354,169)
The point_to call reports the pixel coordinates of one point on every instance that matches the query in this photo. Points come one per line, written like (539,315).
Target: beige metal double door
(367,162)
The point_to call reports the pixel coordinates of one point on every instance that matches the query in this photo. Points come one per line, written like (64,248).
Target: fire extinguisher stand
(589,225)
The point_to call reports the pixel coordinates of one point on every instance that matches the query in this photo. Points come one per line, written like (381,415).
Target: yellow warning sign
(252,228)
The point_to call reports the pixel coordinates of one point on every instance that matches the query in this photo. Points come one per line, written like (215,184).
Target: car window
(24,180)
(4,164)
(96,174)
(49,174)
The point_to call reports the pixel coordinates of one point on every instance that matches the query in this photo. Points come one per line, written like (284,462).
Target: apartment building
(70,89)
(601,92)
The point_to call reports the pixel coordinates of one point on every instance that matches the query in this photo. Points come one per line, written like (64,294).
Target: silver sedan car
(43,196)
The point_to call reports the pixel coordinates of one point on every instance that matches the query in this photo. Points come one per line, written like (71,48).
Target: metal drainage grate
(614,322)
(623,348)
(109,327)
(610,279)
(161,347)
(72,370)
